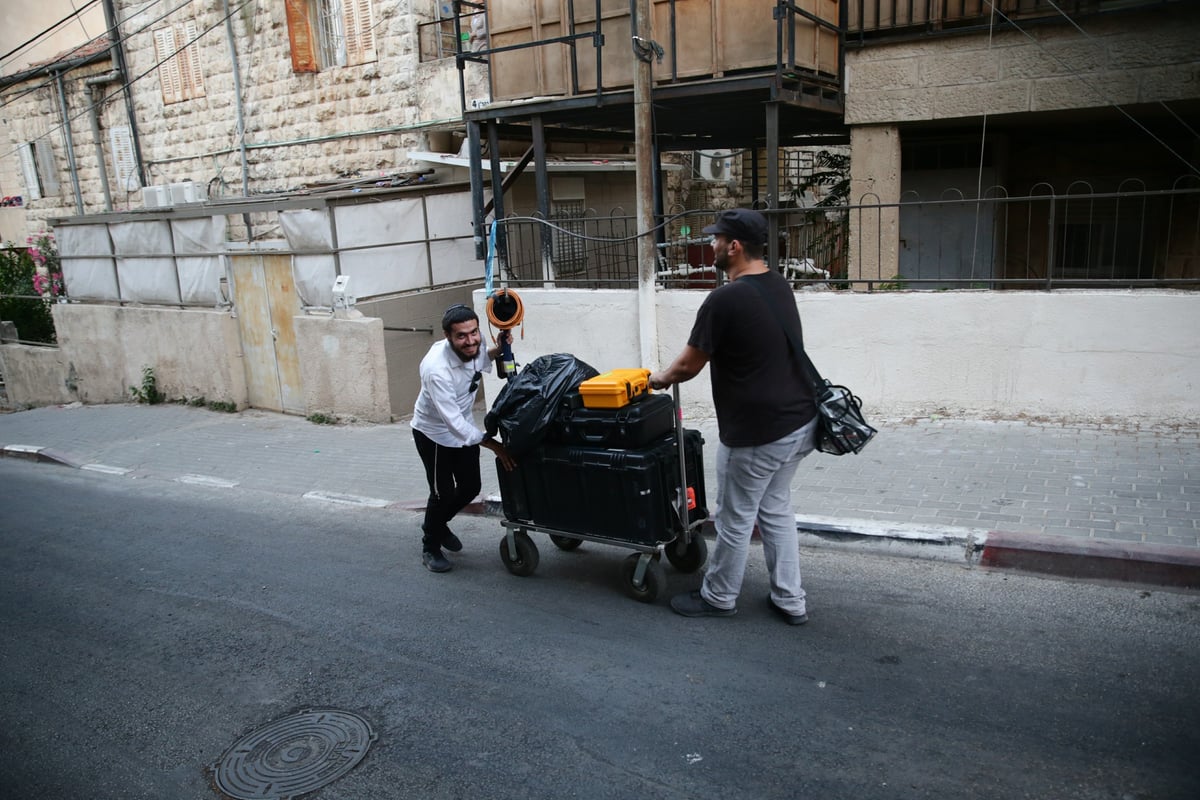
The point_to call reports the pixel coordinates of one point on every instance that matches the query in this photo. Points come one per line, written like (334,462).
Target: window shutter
(47,170)
(124,164)
(33,189)
(301,36)
(168,66)
(360,32)
(189,62)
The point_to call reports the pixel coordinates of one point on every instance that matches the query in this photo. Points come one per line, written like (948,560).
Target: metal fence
(1079,237)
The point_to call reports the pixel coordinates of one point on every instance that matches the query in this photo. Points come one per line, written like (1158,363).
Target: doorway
(266,302)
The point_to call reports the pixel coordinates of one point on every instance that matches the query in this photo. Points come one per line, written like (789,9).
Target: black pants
(453,476)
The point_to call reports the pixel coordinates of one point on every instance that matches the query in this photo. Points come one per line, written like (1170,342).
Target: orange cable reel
(505,311)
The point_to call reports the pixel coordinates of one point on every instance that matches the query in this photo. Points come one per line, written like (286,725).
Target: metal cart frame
(642,574)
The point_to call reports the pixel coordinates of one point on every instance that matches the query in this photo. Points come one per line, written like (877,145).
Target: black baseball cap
(743,224)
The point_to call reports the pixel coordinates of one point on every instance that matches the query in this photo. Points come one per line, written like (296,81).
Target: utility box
(186,192)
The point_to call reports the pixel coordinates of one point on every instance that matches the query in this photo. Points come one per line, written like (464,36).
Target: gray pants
(755,484)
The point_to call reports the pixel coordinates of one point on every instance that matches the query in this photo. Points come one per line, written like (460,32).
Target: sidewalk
(1078,500)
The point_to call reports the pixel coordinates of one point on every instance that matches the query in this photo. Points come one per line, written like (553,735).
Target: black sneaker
(450,541)
(435,562)
(693,604)
(790,619)
(445,539)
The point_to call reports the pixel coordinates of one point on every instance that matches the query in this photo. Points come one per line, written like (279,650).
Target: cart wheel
(527,554)
(565,542)
(693,556)
(653,583)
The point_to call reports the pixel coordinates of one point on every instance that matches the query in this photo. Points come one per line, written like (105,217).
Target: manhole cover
(293,755)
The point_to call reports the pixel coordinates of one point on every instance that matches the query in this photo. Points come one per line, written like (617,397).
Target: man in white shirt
(445,432)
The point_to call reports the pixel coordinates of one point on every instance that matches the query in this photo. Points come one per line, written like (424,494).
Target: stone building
(233,99)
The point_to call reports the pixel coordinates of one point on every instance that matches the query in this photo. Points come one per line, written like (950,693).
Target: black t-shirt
(758,386)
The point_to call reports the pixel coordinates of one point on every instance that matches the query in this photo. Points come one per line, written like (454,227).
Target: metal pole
(97,142)
(118,62)
(474,148)
(67,137)
(647,255)
(241,122)
(542,183)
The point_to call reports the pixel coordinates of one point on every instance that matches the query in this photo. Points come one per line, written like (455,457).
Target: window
(178,58)
(37,166)
(567,243)
(330,33)
(124,164)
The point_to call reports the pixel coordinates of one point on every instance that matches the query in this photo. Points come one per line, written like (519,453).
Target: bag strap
(806,364)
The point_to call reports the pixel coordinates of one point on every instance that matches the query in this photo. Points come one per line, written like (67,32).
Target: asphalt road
(146,625)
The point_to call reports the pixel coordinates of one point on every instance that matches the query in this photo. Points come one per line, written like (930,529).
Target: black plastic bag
(529,402)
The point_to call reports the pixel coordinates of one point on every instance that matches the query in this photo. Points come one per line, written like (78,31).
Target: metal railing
(1079,237)
(868,19)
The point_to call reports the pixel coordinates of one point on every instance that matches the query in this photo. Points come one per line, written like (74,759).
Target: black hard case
(647,419)
(625,495)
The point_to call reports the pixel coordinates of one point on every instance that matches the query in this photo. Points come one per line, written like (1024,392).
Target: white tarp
(200,275)
(400,261)
(91,278)
(308,229)
(145,266)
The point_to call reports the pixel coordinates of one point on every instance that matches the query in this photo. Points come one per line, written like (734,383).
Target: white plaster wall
(194,352)
(1094,354)
(343,367)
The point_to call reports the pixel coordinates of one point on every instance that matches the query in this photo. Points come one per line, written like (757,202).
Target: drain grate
(293,755)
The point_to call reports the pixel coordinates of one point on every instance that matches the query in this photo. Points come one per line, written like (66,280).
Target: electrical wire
(1100,93)
(47,32)
(129,82)
(49,83)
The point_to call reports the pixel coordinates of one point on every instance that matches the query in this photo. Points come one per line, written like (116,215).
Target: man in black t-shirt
(766,417)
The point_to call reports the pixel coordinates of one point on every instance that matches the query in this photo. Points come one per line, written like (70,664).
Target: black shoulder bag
(841,427)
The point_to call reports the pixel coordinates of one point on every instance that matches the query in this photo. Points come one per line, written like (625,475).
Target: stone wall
(1122,59)
(301,129)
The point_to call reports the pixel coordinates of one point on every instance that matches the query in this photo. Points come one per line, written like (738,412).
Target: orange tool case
(615,388)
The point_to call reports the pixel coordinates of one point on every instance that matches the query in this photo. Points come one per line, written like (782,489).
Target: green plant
(221,405)
(148,392)
(197,401)
(896,284)
(828,218)
(30,278)
(318,418)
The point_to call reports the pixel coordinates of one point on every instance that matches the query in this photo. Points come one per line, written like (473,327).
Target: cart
(675,533)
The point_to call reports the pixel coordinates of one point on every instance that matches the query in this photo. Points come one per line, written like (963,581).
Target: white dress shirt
(443,410)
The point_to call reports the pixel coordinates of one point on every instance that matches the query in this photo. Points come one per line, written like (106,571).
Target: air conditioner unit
(187,192)
(156,197)
(712,165)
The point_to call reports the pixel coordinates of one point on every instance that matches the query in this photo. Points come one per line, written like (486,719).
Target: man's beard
(721,260)
(462,355)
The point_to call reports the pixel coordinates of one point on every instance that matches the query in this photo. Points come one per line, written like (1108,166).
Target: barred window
(567,245)
(330,33)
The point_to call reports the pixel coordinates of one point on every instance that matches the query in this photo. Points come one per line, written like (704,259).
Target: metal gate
(266,301)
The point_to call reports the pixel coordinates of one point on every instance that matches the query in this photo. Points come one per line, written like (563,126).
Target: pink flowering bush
(30,278)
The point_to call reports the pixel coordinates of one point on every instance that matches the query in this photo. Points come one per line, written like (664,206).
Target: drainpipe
(94,83)
(62,105)
(118,62)
(241,123)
